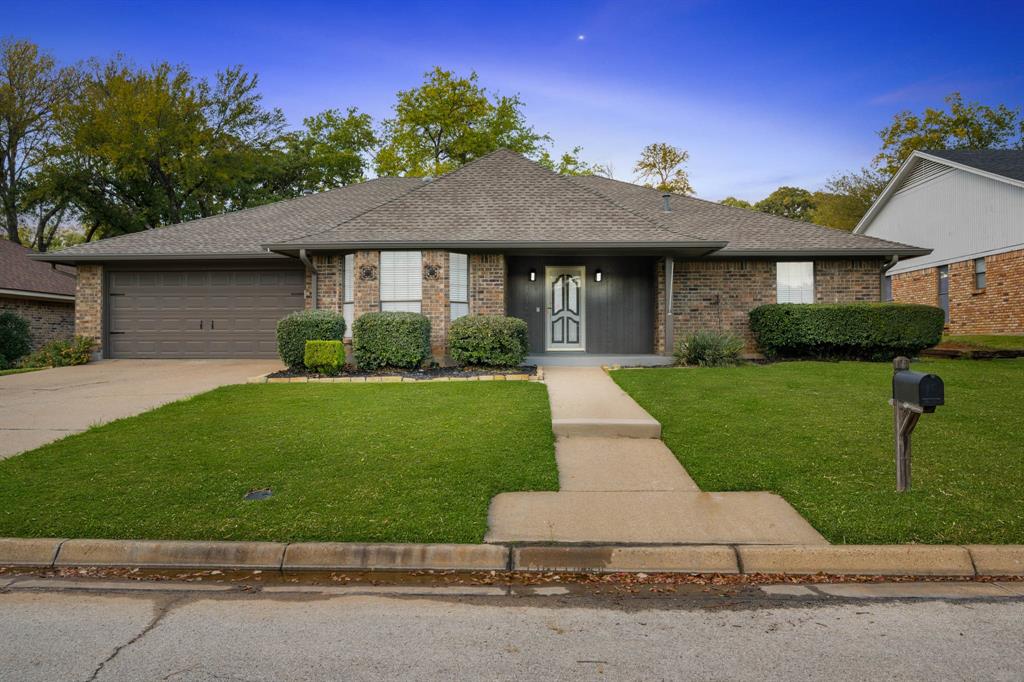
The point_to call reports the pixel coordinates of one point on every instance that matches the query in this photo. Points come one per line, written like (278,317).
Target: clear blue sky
(761,95)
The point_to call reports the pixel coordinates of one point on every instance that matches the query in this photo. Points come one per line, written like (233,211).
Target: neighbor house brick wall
(718,294)
(487,274)
(47,320)
(329,283)
(435,304)
(366,283)
(89,304)
(996,309)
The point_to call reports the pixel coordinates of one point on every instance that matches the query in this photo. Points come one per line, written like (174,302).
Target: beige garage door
(199,313)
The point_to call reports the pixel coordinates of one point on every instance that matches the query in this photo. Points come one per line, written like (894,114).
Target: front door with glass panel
(564,308)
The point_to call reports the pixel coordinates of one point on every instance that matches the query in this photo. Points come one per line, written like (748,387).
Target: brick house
(595,266)
(42,294)
(968,207)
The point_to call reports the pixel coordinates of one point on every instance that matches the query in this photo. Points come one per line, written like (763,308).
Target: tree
(331,150)
(661,166)
(963,126)
(32,87)
(570,163)
(788,202)
(736,203)
(448,121)
(846,198)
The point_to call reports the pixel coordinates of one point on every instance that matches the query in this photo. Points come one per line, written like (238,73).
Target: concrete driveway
(38,407)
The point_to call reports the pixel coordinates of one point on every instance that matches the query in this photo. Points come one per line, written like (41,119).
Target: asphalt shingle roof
(20,273)
(1006,162)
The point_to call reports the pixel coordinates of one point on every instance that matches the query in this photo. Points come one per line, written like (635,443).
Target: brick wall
(89,305)
(996,309)
(434,303)
(487,284)
(366,282)
(718,294)
(329,283)
(659,308)
(47,320)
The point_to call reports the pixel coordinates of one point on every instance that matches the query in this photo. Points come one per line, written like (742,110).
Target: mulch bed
(418,374)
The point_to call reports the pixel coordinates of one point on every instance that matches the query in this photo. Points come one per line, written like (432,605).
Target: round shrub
(326,357)
(709,349)
(391,339)
(15,339)
(855,331)
(306,325)
(488,340)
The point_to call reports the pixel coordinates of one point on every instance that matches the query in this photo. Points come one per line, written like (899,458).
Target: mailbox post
(913,394)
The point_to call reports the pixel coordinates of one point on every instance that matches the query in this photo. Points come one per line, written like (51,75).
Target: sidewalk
(620,484)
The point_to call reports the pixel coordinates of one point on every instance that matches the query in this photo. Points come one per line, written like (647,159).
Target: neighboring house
(967,206)
(593,265)
(41,293)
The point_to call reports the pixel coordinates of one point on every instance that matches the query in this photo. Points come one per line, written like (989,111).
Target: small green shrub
(856,331)
(709,349)
(326,357)
(15,339)
(391,339)
(294,330)
(61,353)
(488,340)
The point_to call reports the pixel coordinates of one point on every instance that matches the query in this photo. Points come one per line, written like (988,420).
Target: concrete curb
(922,560)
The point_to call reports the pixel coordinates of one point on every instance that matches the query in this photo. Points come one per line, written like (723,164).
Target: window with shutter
(401,281)
(794,282)
(348,308)
(458,284)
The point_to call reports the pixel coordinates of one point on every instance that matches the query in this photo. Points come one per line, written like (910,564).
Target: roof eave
(71,259)
(660,247)
(902,252)
(37,295)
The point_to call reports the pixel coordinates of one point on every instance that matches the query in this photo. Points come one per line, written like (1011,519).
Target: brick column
(89,305)
(366,282)
(329,283)
(659,308)
(435,303)
(487,275)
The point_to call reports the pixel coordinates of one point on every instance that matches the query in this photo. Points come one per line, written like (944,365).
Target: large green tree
(736,203)
(846,198)
(448,121)
(661,166)
(789,202)
(572,163)
(960,125)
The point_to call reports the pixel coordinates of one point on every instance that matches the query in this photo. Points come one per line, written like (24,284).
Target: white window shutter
(458,284)
(401,280)
(348,295)
(794,282)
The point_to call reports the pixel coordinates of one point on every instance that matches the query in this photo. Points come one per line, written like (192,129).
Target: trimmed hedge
(857,331)
(488,340)
(391,339)
(326,357)
(306,325)
(15,338)
(709,349)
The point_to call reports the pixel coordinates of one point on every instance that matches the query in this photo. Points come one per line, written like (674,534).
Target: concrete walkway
(39,407)
(620,484)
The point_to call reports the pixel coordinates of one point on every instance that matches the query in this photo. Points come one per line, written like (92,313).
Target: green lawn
(820,435)
(347,462)
(987,342)
(20,370)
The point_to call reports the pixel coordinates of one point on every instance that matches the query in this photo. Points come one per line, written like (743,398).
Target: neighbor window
(401,281)
(348,296)
(979,273)
(944,289)
(886,288)
(794,282)
(458,284)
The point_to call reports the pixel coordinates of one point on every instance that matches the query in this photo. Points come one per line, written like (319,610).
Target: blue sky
(760,93)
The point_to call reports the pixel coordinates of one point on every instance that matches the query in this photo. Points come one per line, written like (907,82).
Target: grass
(820,434)
(20,370)
(349,462)
(985,342)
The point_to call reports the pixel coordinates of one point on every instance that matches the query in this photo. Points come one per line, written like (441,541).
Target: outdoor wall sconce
(597,275)
(533,275)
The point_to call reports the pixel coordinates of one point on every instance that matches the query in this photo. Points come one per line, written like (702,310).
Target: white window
(458,284)
(348,296)
(401,280)
(980,279)
(794,282)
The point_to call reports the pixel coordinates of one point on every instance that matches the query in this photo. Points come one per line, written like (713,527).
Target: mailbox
(918,388)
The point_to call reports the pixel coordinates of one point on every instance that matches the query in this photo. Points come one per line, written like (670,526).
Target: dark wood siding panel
(619,309)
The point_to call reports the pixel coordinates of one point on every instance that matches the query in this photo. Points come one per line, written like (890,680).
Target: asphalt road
(105,633)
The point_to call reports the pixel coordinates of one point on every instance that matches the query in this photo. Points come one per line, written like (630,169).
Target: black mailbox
(918,388)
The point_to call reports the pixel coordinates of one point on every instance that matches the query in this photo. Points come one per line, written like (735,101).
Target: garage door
(229,313)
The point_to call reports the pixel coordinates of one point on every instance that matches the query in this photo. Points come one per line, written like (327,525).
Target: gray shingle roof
(243,233)
(1006,162)
(745,230)
(19,273)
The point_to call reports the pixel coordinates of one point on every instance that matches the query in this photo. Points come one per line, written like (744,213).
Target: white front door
(565,324)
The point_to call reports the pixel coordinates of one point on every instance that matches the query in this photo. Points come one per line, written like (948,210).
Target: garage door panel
(200,313)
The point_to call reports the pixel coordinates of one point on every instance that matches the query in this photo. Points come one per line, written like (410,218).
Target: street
(93,630)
